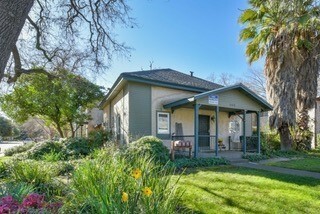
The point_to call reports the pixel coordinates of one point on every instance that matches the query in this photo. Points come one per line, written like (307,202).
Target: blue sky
(185,35)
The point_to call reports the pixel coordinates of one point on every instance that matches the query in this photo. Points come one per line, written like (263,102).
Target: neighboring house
(94,122)
(173,105)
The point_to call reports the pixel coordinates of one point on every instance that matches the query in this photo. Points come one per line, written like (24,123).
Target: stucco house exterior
(173,105)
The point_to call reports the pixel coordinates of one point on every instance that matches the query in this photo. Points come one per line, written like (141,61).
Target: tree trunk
(13,14)
(285,137)
(60,131)
(280,75)
(306,94)
(72,130)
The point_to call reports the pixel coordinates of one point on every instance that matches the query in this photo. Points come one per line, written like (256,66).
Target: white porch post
(244,132)
(196,129)
(217,130)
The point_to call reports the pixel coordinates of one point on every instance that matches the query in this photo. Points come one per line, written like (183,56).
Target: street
(9,144)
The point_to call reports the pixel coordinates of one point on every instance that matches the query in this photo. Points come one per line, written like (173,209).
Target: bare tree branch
(19,70)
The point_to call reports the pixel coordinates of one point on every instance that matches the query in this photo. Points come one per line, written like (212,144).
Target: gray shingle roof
(170,76)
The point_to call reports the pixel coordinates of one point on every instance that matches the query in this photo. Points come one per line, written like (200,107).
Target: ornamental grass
(112,184)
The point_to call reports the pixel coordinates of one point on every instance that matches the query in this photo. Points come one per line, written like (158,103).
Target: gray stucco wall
(234,99)
(139,109)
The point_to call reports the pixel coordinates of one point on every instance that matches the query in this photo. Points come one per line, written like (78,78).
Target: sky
(185,35)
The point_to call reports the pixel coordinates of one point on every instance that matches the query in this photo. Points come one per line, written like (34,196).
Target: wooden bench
(180,144)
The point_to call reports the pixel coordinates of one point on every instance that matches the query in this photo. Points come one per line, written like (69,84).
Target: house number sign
(213,99)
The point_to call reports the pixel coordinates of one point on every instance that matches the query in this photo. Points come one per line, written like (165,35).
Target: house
(172,105)
(93,123)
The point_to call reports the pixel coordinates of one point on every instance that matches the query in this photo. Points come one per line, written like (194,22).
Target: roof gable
(250,96)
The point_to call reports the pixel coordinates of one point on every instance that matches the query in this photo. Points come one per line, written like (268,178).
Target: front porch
(207,146)
(213,115)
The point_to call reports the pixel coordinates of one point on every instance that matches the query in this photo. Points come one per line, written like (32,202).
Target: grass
(229,189)
(309,164)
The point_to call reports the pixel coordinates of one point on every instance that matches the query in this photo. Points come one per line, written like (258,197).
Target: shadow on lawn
(305,181)
(228,201)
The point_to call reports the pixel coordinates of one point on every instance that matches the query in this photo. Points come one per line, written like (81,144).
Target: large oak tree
(55,33)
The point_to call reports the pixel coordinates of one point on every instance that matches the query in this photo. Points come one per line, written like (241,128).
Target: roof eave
(165,84)
(110,92)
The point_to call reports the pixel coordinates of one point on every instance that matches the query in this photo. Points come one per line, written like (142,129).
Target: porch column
(196,129)
(244,132)
(217,130)
(258,132)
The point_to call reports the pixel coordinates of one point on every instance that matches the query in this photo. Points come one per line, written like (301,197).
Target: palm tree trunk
(306,93)
(285,137)
(280,76)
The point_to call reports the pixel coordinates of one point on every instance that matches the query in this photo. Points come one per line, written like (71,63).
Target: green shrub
(301,139)
(53,156)
(149,146)
(63,167)
(291,153)
(255,157)
(77,147)
(17,190)
(32,172)
(3,170)
(199,162)
(99,138)
(270,141)
(41,175)
(102,184)
(18,149)
(40,149)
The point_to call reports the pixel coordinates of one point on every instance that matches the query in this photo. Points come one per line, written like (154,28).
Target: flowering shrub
(32,203)
(111,183)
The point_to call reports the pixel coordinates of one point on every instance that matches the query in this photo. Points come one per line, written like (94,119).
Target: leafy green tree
(7,128)
(286,33)
(60,101)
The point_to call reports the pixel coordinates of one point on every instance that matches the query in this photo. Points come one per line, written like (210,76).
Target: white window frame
(163,131)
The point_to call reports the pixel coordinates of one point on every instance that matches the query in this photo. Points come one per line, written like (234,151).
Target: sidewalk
(301,173)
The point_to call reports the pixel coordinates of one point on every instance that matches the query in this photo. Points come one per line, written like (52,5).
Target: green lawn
(229,189)
(308,163)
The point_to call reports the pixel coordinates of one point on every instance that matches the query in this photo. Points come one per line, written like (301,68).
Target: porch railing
(251,143)
(206,142)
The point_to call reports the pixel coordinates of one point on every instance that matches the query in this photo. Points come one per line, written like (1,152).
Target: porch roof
(265,106)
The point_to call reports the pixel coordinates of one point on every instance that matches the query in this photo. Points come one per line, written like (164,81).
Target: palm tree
(285,32)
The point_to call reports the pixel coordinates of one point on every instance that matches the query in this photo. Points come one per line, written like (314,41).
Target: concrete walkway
(301,173)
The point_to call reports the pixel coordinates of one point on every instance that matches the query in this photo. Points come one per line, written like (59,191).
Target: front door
(204,132)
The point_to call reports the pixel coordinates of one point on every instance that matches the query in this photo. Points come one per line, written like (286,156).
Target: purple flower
(8,205)
(33,200)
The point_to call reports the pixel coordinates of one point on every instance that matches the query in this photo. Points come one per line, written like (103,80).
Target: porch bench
(180,144)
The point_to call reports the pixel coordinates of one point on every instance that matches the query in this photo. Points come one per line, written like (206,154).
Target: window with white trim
(163,123)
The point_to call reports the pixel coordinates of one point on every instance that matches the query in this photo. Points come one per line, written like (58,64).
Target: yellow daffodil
(136,173)
(124,197)
(147,191)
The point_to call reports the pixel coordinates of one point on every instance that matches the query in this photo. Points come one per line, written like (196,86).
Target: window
(118,127)
(234,126)
(163,123)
